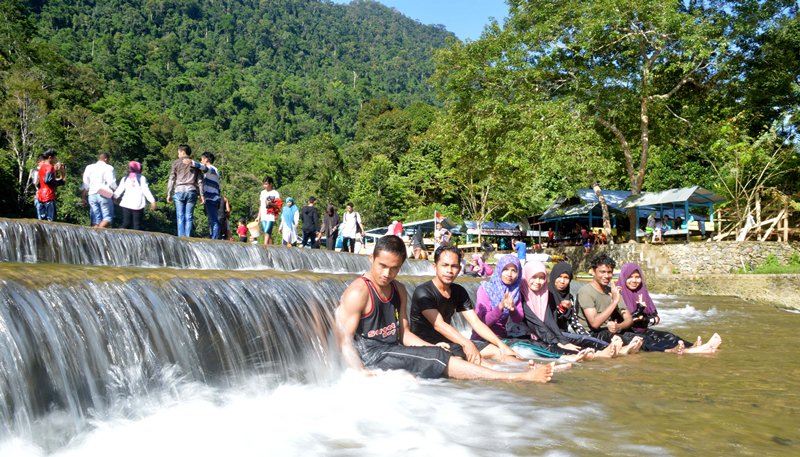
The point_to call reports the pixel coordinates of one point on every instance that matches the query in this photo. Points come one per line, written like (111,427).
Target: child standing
(241,230)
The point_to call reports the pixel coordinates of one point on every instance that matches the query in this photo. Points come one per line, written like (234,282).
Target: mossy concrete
(777,290)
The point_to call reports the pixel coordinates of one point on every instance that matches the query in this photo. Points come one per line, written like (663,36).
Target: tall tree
(21,117)
(624,61)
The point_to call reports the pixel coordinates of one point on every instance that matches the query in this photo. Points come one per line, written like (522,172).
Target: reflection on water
(741,401)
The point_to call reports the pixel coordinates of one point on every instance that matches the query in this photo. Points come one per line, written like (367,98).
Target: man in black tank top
(435,302)
(374,333)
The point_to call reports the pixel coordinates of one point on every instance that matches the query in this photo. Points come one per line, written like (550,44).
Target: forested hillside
(263,71)
(359,103)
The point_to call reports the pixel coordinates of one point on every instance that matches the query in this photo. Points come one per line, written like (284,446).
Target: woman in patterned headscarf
(498,299)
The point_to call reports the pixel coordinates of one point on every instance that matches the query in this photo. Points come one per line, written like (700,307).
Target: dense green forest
(359,103)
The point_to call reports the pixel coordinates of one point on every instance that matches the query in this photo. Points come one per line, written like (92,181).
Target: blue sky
(465,18)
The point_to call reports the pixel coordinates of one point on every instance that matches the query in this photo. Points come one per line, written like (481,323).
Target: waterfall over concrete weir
(74,337)
(48,242)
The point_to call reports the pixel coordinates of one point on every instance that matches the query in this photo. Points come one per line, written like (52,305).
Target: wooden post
(758,214)
(786,220)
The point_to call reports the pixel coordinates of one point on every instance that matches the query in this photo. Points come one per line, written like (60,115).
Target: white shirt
(348,227)
(133,193)
(262,211)
(97,176)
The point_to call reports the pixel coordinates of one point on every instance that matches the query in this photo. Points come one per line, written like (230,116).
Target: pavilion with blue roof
(585,209)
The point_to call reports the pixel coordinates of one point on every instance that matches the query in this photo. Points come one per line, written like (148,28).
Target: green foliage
(773,265)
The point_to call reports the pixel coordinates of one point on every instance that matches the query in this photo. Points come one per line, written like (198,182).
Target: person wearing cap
(97,189)
(52,174)
(133,191)
(311,224)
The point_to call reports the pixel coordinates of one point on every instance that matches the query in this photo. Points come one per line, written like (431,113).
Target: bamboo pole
(775,222)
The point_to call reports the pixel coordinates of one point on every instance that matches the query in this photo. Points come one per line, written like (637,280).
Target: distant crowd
(189,181)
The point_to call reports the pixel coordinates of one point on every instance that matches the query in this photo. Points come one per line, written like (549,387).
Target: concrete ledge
(777,290)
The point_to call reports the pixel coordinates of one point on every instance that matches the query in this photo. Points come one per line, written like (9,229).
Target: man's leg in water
(458,368)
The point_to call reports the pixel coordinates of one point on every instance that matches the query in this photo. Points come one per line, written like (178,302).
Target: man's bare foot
(678,349)
(540,373)
(632,347)
(607,353)
(715,341)
(709,348)
(617,341)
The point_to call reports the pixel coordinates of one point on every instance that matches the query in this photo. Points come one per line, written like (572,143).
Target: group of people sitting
(519,316)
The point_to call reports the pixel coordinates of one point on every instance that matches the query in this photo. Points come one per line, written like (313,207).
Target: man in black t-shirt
(435,302)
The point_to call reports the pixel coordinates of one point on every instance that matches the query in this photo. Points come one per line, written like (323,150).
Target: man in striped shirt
(211,179)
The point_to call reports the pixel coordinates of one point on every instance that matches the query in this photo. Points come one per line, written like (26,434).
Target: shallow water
(740,401)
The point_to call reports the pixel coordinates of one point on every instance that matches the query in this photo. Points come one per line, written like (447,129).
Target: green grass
(773,266)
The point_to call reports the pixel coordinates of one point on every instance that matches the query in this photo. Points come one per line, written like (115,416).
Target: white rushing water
(676,312)
(391,414)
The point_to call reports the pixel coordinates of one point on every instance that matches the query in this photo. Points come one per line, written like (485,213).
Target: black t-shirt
(426,296)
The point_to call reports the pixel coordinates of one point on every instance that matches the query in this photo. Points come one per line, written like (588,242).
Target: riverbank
(775,290)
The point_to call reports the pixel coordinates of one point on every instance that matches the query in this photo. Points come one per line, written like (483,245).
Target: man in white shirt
(270,204)
(97,189)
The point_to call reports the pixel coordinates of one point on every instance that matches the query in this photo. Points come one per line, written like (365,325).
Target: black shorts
(422,361)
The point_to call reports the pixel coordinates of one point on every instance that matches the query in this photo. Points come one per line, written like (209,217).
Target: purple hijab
(630,297)
(495,288)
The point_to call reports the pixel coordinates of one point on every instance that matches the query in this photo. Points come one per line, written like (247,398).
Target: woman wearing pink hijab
(134,191)
(540,317)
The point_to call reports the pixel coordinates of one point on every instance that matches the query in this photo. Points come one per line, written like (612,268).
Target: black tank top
(383,321)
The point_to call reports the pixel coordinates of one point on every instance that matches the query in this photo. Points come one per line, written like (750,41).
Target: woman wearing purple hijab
(638,301)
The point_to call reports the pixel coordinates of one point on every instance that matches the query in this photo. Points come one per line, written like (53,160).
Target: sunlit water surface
(741,401)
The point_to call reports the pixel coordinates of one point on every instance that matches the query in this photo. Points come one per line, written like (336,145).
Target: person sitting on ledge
(600,310)
(372,336)
(644,313)
(435,302)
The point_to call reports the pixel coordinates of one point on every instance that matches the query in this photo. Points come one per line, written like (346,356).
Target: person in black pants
(311,224)
(330,227)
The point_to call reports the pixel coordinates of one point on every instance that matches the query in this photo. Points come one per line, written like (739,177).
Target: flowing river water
(129,361)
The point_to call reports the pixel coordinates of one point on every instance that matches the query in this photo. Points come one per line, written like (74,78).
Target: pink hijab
(537,302)
(134,169)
